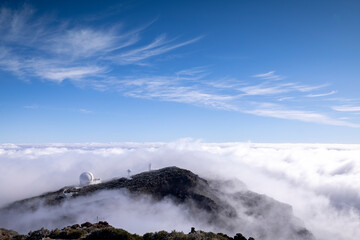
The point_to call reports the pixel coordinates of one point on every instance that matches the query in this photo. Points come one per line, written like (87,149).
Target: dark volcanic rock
(178,184)
(104,231)
(38,234)
(7,234)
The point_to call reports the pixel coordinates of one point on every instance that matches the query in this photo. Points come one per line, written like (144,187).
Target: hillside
(230,212)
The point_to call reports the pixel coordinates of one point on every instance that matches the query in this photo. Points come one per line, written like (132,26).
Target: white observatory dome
(86,178)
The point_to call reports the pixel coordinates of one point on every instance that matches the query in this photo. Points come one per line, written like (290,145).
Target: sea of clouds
(320,181)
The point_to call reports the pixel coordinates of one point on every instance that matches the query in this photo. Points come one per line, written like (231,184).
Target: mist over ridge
(317,180)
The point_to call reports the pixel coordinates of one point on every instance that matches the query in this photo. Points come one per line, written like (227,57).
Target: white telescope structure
(87,178)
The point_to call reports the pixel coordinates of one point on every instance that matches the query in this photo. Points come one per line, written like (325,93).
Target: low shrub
(110,234)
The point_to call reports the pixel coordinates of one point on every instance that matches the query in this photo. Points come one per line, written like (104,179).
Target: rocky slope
(104,231)
(231,211)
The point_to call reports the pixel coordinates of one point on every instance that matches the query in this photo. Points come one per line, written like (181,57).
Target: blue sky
(109,71)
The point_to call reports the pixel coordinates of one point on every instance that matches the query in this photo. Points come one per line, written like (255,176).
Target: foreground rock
(102,230)
(230,211)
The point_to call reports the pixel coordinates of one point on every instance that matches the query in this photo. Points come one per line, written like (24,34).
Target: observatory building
(87,178)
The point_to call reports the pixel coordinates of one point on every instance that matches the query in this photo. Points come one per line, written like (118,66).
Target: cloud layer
(319,181)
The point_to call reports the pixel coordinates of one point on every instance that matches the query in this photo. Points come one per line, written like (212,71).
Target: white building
(87,178)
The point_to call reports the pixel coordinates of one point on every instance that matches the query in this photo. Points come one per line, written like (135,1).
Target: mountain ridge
(222,209)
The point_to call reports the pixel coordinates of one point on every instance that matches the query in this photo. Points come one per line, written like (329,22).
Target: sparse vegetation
(103,231)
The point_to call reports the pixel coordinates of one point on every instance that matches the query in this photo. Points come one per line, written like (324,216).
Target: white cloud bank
(320,181)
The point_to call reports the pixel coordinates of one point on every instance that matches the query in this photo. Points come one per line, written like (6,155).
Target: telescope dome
(86,178)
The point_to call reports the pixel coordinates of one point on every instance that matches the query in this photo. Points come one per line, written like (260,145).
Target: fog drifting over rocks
(320,181)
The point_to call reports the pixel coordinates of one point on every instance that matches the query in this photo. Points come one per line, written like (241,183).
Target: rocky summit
(232,211)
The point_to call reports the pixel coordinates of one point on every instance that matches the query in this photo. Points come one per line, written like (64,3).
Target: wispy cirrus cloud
(346,108)
(195,86)
(304,116)
(87,42)
(321,94)
(195,71)
(269,76)
(159,46)
(285,98)
(31,47)
(306,88)
(20,26)
(59,74)
(265,89)
(270,88)
(85,111)
(173,88)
